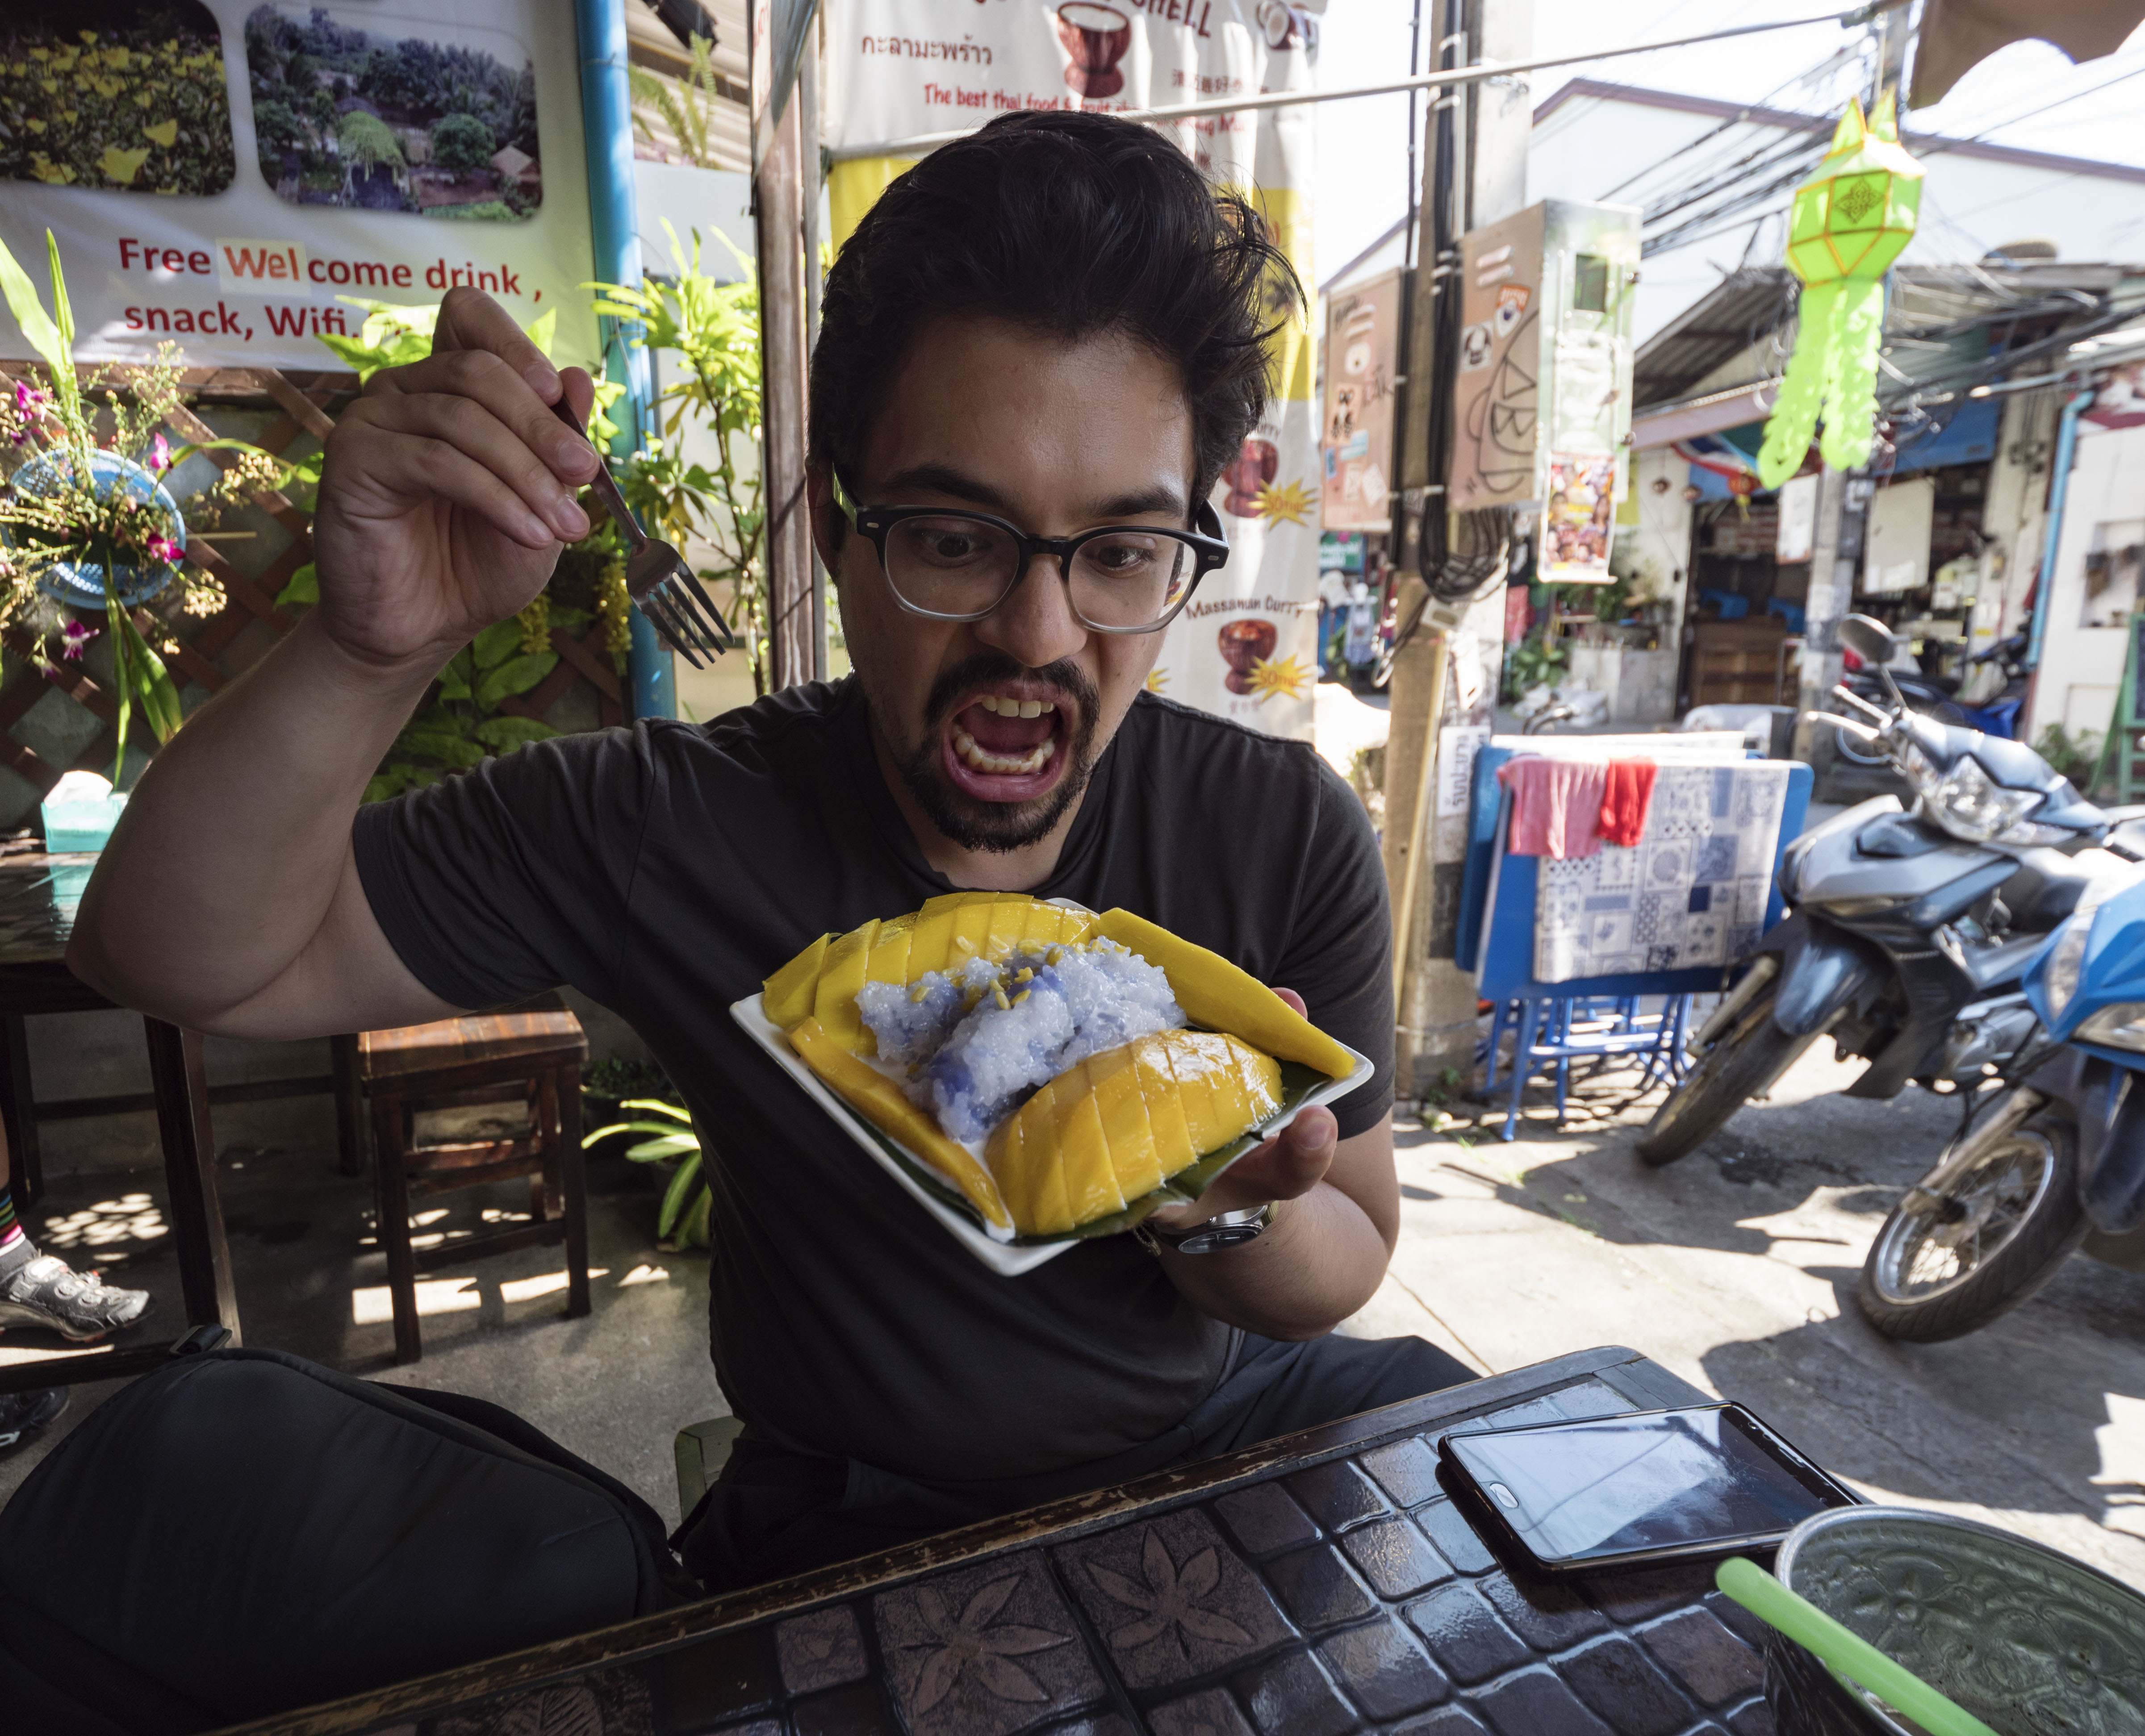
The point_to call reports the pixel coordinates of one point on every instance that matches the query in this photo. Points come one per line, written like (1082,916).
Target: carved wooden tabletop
(1317,1584)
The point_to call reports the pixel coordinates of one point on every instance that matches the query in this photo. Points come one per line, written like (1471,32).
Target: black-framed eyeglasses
(949,565)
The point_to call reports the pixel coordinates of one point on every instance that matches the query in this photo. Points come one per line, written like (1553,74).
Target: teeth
(1016,708)
(1031,707)
(982,760)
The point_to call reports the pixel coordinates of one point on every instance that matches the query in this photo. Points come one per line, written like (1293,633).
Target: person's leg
(42,1289)
(1277,1389)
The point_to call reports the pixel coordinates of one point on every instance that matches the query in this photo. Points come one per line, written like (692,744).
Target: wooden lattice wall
(38,744)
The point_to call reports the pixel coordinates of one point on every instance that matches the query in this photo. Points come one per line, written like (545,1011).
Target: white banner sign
(1245,645)
(222,175)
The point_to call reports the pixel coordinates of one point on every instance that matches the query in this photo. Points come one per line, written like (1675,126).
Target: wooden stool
(457,1063)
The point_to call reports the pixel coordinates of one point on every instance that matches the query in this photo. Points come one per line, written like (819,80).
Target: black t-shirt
(666,869)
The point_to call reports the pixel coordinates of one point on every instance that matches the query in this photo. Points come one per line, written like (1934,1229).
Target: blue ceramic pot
(80,584)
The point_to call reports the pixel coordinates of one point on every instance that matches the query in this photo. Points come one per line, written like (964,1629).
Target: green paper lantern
(1849,220)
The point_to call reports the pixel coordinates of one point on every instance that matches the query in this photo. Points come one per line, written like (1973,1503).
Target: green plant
(77,507)
(365,139)
(688,106)
(2077,757)
(715,328)
(1529,665)
(681,1221)
(461,141)
(463,725)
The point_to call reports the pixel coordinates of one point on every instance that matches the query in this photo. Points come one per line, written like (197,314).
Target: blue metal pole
(607,132)
(2059,485)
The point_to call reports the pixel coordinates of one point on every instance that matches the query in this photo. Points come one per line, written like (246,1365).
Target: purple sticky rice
(973,1061)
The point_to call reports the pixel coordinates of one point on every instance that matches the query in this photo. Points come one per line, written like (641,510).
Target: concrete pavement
(1736,1268)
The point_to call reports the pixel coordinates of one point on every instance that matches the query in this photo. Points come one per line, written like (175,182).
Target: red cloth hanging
(1627,801)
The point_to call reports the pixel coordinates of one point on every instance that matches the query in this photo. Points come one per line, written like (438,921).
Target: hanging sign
(228,176)
(1362,353)
(1246,646)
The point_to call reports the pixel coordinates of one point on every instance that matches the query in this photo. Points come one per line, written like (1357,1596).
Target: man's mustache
(1066,677)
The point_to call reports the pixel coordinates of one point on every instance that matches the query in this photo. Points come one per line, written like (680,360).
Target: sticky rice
(975,1044)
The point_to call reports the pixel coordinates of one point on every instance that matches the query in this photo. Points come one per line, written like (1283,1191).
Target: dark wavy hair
(1070,224)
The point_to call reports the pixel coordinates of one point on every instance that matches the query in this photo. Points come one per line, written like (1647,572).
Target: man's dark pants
(777,1511)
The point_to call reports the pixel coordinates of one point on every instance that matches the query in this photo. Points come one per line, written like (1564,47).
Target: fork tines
(672,606)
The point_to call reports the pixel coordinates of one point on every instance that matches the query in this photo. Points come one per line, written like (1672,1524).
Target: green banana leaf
(680,1192)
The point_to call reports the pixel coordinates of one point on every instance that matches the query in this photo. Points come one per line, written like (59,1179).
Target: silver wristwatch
(1224,1230)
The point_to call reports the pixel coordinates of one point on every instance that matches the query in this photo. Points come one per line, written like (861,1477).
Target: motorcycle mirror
(1868,639)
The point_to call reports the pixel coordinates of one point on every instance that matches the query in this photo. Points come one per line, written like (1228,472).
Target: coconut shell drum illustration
(1245,643)
(1255,465)
(1097,37)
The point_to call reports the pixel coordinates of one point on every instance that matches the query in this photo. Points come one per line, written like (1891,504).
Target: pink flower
(163,548)
(160,454)
(28,400)
(78,635)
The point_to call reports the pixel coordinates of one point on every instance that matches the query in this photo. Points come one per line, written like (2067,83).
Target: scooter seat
(2045,889)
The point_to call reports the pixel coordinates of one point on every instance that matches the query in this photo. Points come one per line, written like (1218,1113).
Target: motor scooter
(2056,1163)
(1908,931)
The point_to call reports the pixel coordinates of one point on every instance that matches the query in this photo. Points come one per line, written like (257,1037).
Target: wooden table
(38,894)
(1321,1583)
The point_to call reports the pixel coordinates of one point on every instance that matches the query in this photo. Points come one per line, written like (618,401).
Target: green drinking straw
(1802,1622)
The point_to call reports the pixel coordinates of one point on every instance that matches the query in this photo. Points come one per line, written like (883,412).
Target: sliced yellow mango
(841,975)
(1075,1151)
(1121,1103)
(887,961)
(880,1102)
(821,980)
(791,992)
(931,936)
(1091,1178)
(1215,993)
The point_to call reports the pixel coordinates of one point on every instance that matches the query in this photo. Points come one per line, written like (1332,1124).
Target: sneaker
(23,1415)
(44,1291)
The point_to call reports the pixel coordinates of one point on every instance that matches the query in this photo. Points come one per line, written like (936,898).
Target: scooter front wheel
(1746,1059)
(1952,1258)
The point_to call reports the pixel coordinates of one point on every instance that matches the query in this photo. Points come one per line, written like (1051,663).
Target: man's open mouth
(1007,745)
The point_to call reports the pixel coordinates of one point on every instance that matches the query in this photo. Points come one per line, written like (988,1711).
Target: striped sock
(11,1231)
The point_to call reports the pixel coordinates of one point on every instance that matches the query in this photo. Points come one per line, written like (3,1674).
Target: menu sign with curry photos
(238,178)
(1245,645)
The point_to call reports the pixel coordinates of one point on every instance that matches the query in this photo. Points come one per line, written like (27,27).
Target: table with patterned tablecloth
(1317,1585)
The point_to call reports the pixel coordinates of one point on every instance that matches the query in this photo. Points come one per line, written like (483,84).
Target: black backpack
(244,1532)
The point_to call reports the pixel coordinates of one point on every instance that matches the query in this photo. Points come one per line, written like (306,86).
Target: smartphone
(1656,1485)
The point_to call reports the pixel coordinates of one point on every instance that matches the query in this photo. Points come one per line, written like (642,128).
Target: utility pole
(778,189)
(1474,172)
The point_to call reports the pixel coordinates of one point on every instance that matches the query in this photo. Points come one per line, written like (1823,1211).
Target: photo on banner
(442,121)
(1246,646)
(124,98)
(242,179)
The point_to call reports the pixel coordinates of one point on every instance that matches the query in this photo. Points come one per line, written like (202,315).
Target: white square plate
(1008,1257)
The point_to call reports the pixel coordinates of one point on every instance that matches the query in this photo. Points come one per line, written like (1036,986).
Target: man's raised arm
(228,898)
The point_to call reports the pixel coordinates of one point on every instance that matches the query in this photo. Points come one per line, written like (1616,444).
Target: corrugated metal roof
(1716,328)
(1939,320)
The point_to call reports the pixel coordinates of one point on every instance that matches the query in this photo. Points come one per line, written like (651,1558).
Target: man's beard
(1000,826)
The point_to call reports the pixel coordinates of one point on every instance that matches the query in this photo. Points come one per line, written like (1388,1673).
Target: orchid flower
(163,548)
(160,456)
(78,635)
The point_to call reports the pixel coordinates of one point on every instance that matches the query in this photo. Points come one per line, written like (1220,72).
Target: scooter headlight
(2119,1026)
(2060,980)
(1970,804)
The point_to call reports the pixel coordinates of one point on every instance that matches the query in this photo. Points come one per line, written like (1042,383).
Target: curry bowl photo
(1037,1073)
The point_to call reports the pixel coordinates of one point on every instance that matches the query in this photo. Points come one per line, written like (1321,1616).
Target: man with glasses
(1038,352)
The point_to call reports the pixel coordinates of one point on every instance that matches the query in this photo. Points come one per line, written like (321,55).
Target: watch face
(1231,1229)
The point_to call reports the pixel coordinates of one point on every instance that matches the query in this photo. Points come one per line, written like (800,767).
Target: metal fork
(656,575)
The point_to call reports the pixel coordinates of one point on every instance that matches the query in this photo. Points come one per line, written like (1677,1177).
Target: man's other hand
(447,490)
